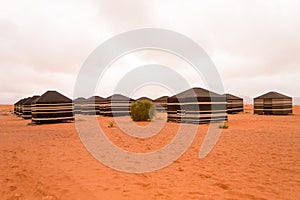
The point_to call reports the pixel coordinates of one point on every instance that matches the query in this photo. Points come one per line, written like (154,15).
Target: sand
(258,157)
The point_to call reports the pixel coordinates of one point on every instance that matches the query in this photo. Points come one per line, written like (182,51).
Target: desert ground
(257,157)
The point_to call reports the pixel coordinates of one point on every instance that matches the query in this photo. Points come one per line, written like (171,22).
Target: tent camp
(52,107)
(27,107)
(117,105)
(197,105)
(161,103)
(91,106)
(273,103)
(234,104)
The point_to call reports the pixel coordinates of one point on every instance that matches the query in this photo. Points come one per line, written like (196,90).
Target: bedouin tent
(273,103)
(16,107)
(234,104)
(52,107)
(27,107)
(91,106)
(78,102)
(19,105)
(117,105)
(144,98)
(161,103)
(197,105)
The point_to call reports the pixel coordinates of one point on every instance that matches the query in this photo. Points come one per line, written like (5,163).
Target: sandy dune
(258,157)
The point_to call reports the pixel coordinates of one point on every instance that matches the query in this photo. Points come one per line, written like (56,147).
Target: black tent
(52,107)
(273,103)
(234,104)
(91,106)
(197,105)
(78,105)
(161,103)
(18,108)
(27,108)
(144,98)
(117,105)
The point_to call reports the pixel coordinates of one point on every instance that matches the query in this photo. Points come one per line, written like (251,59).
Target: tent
(273,103)
(52,107)
(91,106)
(234,104)
(161,103)
(117,105)
(78,105)
(197,105)
(18,107)
(26,107)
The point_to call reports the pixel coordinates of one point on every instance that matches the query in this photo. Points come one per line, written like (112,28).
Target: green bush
(142,110)
(224,126)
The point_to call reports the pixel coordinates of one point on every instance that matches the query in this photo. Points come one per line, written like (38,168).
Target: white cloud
(254,44)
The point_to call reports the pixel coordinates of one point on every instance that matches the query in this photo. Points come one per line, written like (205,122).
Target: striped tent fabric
(16,108)
(234,104)
(52,107)
(161,103)
(273,103)
(91,106)
(27,108)
(197,106)
(19,106)
(117,105)
(78,105)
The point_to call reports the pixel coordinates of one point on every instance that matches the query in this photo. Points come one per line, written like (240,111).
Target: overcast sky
(255,45)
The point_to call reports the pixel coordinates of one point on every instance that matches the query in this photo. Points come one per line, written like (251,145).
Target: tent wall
(273,106)
(197,110)
(116,106)
(235,106)
(42,113)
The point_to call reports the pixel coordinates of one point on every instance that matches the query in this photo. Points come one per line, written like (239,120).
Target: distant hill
(296,101)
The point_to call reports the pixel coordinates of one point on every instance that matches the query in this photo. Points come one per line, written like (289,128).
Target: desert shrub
(224,126)
(110,124)
(142,110)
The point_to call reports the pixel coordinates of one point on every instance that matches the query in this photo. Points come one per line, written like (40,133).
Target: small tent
(27,107)
(161,103)
(52,107)
(117,105)
(91,106)
(234,104)
(78,105)
(273,103)
(197,105)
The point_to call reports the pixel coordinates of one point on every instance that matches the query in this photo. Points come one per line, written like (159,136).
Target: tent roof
(22,101)
(96,99)
(160,99)
(232,97)
(118,97)
(53,97)
(196,92)
(30,100)
(273,95)
(79,99)
(144,98)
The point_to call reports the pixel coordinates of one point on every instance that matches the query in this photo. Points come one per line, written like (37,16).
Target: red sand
(258,157)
